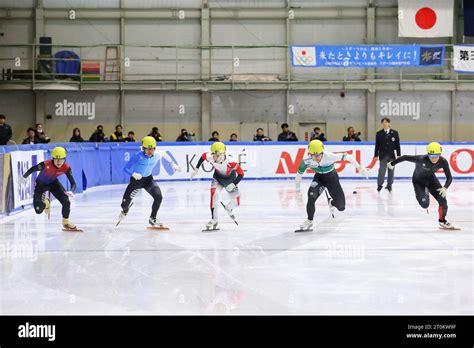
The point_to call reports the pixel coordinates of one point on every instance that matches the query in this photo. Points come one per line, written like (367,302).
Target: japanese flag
(425,18)
(303,55)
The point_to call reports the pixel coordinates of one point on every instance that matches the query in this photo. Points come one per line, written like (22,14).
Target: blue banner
(369,56)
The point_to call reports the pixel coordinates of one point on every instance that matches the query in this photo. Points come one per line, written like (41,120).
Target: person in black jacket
(351,135)
(286,135)
(184,136)
(215,136)
(260,136)
(76,136)
(155,134)
(5,131)
(387,143)
(31,138)
(98,136)
(41,135)
(318,135)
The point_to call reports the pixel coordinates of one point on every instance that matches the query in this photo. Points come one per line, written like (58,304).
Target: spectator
(41,135)
(184,136)
(5,131)
(32,138)
(318,135)
(351,135)
(286,135)
(215,136)
(155,134)
(130,137)
(76,136)
(98,136)
(233,137)
(387,148)
(117,136)
(260,136)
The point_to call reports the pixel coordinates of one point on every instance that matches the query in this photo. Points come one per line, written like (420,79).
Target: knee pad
(314,191)
(424,203)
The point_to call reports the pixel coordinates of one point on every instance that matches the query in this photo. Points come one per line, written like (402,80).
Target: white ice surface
(382,255)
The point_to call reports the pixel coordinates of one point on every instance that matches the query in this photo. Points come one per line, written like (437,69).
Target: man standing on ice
(322,162)
(140,169)
(227,174)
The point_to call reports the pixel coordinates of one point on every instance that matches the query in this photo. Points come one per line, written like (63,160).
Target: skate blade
(120,220)
(72,230)
(300,230)
(211,230)
(157,228)
(232,218)
(450,228)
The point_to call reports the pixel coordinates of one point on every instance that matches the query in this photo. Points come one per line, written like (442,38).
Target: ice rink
(382,255)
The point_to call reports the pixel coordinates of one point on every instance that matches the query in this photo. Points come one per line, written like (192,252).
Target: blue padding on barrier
(120,155)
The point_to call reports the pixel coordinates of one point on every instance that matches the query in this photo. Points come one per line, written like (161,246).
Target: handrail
(155,69)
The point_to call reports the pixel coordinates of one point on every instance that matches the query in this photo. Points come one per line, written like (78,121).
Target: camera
(358,134)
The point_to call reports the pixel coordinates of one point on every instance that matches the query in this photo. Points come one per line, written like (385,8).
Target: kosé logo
(400,109)
(79,109)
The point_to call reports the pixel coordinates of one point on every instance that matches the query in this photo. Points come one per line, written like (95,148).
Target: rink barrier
(97,164)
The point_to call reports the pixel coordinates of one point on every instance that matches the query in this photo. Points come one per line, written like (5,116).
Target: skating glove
(298,181)
(176,168)
(137,176)
(194,172)
(364,171)
(22,180)
(69,193)
(231,187)
(390,166)
(442,191)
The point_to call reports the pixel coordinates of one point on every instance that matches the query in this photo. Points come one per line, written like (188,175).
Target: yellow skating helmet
(434,148)
(316,147)
(218,147)
(149,143)
(58,153)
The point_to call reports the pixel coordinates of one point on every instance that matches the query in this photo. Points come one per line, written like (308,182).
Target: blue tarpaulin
(68,63)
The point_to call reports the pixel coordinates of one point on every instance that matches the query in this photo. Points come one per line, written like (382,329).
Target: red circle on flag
(425,18)
(303,52)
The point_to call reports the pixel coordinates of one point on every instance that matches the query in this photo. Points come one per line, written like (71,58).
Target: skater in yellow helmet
(140,169)
(424,179)
(322,162)
(47,180)
(227,174)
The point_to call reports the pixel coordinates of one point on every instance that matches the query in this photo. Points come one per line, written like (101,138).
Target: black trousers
(422,190)
(330,181)
(57,190)
(150,186)
(383,168)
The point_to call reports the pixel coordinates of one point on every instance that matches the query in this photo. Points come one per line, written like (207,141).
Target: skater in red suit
(47,180)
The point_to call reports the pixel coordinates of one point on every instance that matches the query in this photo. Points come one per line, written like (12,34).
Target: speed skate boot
(47,204)
(212,225)
(307,225)
(446,225)
(69,226)
(332,208)
(154,222)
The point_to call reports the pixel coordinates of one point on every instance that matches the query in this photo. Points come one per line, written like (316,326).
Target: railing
(142,64)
